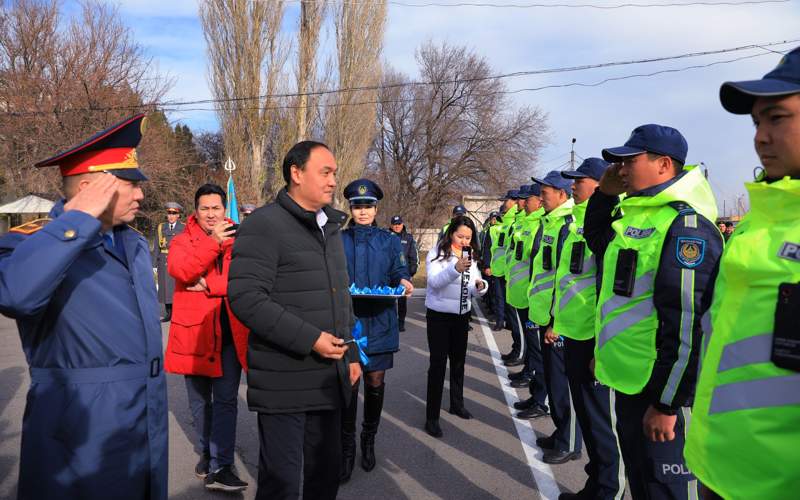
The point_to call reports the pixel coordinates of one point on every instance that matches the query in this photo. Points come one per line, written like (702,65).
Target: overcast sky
(541,38)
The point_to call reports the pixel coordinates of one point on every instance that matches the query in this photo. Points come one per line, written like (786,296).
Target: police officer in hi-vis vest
(160,250)
(565,442)
(658,251)
(573,319)
(744,441)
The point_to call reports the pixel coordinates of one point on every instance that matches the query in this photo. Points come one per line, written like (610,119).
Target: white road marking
(542,473)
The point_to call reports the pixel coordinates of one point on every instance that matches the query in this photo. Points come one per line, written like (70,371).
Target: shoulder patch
(790,251)
(30,227)
(690,251)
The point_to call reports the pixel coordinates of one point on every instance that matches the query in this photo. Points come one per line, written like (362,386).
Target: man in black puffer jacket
(288,284)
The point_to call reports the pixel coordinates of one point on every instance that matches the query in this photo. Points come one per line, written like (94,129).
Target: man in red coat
(207,343)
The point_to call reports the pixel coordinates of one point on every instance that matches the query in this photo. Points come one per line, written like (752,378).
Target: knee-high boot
(373,405)
(349,437)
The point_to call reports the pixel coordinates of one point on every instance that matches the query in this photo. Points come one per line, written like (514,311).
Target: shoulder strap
(30,227)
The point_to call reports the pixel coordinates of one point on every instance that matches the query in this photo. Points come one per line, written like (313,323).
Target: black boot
(349,438)
(168,316)
(373,405)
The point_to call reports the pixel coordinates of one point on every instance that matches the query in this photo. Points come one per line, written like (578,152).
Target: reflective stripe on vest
(685,334)
(541,291)
(643,286)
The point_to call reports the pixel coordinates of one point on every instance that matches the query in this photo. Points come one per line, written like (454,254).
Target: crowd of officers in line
(671,346)
(672,354)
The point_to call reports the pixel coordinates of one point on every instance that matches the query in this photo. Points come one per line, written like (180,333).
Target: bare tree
(63,80)
(246,57)
(350,121)
(311,17)
(458,135)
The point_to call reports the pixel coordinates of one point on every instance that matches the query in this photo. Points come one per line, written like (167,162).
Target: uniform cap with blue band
(591,167)
(651,138)
(397,220)
(363,192)
(555,180)
(738,97)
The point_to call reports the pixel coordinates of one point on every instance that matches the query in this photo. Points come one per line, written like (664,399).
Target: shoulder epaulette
(135,230)
(682,207)
(30,227)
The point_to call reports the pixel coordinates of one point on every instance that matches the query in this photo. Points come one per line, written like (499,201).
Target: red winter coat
(195,335)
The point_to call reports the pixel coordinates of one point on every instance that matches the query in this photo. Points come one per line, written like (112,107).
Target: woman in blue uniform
(374,258)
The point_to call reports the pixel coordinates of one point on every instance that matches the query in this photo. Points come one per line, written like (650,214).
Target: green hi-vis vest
(626,327)
(500,243)
(576,280)
(540,290)
(519,259)
(515,226)
(744,441)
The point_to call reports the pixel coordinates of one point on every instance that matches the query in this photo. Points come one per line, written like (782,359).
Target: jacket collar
(309,218)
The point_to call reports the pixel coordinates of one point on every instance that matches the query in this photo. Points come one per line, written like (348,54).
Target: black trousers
(402,308)
(655,470)
(447,339)
(568,433)
(594,407)
(297,446)
(534,364)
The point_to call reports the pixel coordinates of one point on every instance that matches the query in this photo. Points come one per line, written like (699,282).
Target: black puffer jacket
(287,284)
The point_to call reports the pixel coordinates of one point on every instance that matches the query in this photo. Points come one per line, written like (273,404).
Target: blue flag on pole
(232,210)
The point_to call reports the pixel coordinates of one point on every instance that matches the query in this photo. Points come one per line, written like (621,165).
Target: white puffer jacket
(444,284)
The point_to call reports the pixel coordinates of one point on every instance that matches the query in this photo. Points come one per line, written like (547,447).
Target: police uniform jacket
(410,251)
(375,257)
(669,298)
(95,422)
(161,244)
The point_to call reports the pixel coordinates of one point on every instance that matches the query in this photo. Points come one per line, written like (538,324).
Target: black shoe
(546,443)
(520,383)
(573,496)
(225,480)
(373,406)
(509,355)
(525,404)
(497,327)
(402,327)
(461,412)
(560,457)
(432,428)
(201,469)
(514,362)
(518,375)
(534,412)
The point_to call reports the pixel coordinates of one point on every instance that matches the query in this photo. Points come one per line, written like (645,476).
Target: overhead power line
(540,5)
(182,105)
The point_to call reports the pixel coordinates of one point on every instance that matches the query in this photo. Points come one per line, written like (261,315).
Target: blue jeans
(214,403)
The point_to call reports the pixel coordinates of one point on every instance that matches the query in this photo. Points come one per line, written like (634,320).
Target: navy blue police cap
(459,210)
(591,167)
(555,180)
(363,192)
(397,220)
(528,190)
(510,195)
(651,138)
(738,97)
(113,150)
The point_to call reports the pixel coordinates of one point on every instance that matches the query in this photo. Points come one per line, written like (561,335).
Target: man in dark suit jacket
(288,284)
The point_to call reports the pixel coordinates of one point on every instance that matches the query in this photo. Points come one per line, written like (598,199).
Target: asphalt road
(491,456)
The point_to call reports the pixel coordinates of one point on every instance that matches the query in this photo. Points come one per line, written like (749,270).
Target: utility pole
(572,155)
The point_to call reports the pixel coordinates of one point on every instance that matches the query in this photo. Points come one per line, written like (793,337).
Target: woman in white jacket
(453,279)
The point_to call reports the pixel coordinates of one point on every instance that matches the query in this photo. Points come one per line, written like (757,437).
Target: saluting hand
(329,346)
(95,198)
(611,181)
(408,285)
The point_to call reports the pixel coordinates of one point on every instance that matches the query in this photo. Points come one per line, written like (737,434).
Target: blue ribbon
(377,290)
(361,342)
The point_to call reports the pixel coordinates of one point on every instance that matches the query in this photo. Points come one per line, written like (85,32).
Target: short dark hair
(207,189)
(298,156)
